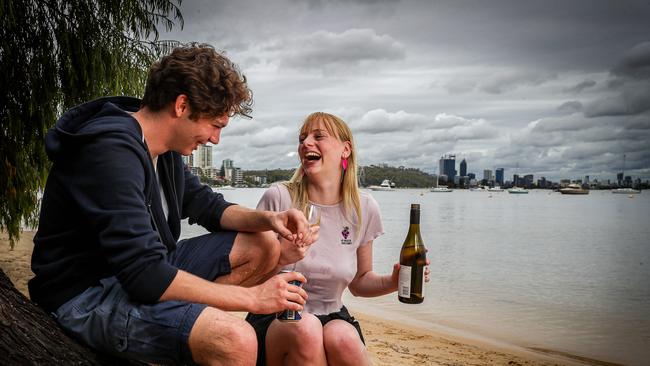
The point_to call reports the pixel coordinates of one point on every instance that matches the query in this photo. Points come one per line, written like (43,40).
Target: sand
(389,343)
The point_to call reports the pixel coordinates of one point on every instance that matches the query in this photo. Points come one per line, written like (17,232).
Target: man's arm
(276,294)
(290,224)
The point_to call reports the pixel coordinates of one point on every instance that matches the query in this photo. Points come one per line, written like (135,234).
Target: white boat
(574,189)
(441,189)
(518,190)
(384,186)
(495,189)
(625,191)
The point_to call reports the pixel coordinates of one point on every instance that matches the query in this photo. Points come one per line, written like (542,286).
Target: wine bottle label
(404,285)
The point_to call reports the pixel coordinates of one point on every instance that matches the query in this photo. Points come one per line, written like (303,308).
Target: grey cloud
(350,47)
(580,87)
(570,107)
(381,121)
(476,131)
(634,99)
(459,86)
(511,80)
(270,137)
(638,122)
(635,62)
(572,122)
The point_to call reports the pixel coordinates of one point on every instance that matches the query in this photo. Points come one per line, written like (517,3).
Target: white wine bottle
(412,260)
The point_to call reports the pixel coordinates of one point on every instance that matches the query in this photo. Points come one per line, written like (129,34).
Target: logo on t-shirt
(345,233)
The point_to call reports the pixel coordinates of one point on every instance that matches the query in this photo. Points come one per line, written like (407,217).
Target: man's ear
(181,105)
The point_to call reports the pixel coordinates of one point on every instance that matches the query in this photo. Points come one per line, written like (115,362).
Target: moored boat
(441,189)
(518,190)
(384,186)
(574,189)
(626,191)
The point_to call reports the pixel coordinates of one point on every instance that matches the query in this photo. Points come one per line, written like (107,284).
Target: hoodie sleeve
(201,204)
(107,182)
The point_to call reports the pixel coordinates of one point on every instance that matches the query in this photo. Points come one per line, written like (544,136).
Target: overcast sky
(559,89)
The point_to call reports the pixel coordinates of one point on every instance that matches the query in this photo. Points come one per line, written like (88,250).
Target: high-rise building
(227,163)
(499,176)
(204,156)
(487,175)
(463,168)
(188,160)
(226,167)
(447,166)
(237,176)
(528,180)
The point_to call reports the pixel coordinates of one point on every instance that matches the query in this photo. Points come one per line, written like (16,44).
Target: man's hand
(292,252)
(290,224)
(277,294)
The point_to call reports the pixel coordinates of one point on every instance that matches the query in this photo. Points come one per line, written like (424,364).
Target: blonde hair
(297,185)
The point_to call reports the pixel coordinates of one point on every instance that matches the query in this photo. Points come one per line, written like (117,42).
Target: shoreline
(389,342)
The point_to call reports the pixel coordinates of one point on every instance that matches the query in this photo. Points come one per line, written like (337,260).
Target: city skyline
(561,89)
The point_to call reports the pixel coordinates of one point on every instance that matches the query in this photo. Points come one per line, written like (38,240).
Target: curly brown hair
(213,84)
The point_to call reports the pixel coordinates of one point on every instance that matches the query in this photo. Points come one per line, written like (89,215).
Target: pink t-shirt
(331,262)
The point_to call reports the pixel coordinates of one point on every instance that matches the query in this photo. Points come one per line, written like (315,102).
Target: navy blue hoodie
(101,213)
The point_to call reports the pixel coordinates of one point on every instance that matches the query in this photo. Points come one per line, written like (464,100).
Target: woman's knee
(342,341)
(304,337)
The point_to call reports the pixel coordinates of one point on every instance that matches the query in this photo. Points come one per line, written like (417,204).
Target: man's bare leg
(253,259)
(218,338)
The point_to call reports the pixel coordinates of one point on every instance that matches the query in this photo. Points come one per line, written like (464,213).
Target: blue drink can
(289,315)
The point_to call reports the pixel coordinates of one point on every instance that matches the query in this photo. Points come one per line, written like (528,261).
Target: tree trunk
(29,336)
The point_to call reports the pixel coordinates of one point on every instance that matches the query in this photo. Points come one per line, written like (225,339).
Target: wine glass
(313,213)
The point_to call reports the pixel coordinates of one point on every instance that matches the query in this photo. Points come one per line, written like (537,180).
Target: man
(106,259)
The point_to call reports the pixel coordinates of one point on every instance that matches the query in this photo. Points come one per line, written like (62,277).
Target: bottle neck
(415,217)
(414,227)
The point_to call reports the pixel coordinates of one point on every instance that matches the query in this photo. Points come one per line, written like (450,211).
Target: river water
(542,270)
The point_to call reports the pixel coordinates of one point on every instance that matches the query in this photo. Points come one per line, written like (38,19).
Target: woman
(340,258)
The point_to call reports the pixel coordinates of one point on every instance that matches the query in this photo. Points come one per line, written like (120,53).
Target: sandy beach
(388,342)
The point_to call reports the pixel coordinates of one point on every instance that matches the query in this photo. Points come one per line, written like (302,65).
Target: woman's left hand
(394,277)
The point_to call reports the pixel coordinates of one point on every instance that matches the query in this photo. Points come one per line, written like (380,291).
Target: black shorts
(262,322)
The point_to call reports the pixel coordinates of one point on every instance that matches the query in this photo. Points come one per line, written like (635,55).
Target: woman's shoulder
(275,197)
(367,199)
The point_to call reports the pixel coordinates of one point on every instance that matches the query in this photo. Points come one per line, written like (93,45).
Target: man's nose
(215,136)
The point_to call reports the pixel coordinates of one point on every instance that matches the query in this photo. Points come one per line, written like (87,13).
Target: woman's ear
(347,150)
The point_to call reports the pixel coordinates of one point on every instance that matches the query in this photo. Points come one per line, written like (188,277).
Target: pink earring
(344,163)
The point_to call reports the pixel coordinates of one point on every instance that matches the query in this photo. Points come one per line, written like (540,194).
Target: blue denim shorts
(104,318)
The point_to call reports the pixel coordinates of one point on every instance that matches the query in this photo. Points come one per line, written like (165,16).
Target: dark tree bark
(29,336)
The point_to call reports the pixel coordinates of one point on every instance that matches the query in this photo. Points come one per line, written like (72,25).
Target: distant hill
(369,175)
(402,177)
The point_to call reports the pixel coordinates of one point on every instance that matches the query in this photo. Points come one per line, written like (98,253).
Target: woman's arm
(367,283)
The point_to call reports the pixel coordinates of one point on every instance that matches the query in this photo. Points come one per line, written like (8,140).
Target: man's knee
(218,338)
(269,247)
(241,340)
